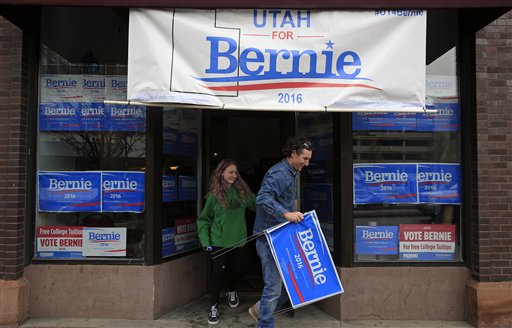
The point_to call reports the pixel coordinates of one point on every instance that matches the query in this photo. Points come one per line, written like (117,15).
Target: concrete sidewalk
(195,315)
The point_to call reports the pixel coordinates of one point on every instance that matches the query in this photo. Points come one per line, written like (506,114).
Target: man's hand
(294,216)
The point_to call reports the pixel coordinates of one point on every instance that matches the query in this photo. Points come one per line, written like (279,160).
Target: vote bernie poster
(304,260)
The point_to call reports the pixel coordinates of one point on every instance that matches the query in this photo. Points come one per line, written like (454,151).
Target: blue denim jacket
(276,196)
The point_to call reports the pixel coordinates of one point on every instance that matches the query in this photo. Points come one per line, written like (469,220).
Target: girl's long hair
(219,187)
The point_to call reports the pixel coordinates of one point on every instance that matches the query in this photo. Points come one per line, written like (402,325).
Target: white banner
(278,59)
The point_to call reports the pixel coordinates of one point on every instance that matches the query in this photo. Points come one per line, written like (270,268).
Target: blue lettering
(274,53)
(60,83)
(263,20)
(263,63)
(215,54)
(259,58)
(287,19)
(282,20)
(343,60)
(307,19)
(118,84)
(296,60)
(274,17)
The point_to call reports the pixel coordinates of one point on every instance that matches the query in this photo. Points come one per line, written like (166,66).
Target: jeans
(272,285)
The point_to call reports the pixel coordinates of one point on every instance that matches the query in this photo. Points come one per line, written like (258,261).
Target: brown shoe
(254,311)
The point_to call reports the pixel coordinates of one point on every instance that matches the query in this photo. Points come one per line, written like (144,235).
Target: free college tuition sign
(300,59)
(304,261)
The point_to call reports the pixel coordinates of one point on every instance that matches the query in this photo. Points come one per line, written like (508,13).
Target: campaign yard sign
(104,241)
(168,245)
(439,183)
(59,242)
(385,183)
(169,188)
(304,261)
(380,240)
(123,191)
(416,183)
(69,191)
(435,242)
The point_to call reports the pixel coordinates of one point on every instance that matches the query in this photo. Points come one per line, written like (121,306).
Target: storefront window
(407,177)
(180,183)
(90,155)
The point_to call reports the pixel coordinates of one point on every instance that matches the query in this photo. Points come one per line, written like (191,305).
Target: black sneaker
(232,299)
(213,318)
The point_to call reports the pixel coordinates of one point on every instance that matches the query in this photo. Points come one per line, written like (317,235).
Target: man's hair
(296,143)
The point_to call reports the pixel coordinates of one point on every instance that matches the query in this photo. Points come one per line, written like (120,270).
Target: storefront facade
(142,172)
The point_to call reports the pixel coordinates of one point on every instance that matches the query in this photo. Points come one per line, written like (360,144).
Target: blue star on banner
(330,44)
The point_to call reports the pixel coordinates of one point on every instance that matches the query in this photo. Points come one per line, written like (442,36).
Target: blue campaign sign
(447,118)
(304,261)
(187,188)
(169,188)
(93,117)
(385,183)
(69,191)
(379,121)
(168,246)
(381,240)
(439,183)
(127,118)
(123,191)
(59,116)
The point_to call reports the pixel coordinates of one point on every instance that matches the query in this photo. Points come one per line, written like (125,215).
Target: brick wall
(13,149)
(492,227)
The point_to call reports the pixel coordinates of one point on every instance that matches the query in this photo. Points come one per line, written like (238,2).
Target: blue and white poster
(187,187)
(169,188)
(447,118)
(439,183)
(93,117)
(69,191)
(93,88)
(127,118)
(385,183)
(168,246)
(104,241)
(377,240)
(304,261)
(378,121)
(59,116)
(123,191)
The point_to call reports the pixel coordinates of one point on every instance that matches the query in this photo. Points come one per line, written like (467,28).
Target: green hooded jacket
(224,227)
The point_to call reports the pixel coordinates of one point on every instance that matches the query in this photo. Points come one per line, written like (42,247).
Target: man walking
(276,203)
